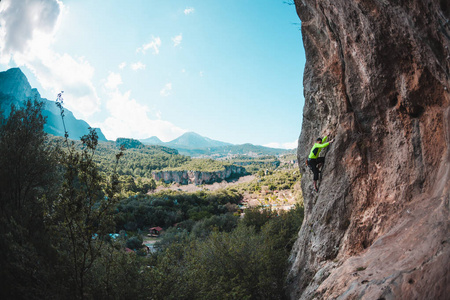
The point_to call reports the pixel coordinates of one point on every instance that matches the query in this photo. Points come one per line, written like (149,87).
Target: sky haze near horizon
(230,70)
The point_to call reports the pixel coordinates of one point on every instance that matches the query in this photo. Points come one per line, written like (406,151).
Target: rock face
(376,79)
(13,82)
(199,177)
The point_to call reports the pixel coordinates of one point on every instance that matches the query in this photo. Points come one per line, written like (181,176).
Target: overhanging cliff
(377,78)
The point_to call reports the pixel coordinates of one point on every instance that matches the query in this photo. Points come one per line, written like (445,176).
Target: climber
(314,161)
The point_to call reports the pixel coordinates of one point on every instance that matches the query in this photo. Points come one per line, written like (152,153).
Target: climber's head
(319,140)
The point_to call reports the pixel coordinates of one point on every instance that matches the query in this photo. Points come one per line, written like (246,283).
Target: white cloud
(154,44)
(138,66)
(166,90)
(27,30)
(56,72)
(128,118)
(201,73)
(122,65)
(177,40)
(189,10)
(113,81)
(21,20)
(291,145)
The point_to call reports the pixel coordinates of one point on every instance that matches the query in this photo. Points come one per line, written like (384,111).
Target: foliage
(131,186)
(169,207)
(274,180)
(257,217)
(254,165)
(170,237)
(117,274)
(136,162)
(27,175)
(128,143)
(134,242)
(198,164)
(26,161)
(81,215)
(58,209)
(223,223)
(238,264)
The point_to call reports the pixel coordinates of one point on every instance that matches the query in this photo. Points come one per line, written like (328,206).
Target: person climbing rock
(314,161)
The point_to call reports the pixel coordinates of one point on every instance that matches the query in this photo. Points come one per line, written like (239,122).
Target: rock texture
(199,177)
(377,79)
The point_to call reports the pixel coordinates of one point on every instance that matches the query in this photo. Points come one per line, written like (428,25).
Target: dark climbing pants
(312,164)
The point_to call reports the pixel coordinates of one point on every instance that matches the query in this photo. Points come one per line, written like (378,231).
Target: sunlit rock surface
(199,177)
(376,79)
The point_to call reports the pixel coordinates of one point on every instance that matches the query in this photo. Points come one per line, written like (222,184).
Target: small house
(155,231)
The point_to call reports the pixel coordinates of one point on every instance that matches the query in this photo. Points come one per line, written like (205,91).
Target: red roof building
(155,230)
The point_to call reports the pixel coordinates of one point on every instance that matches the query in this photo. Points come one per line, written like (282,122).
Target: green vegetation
(128,143)
(169,207)
(256,164)
(29,172)
(291,156)
(273,180)
(199,164)
(136,162)
(246,262)
(282,180)
(61,204)
(224,151)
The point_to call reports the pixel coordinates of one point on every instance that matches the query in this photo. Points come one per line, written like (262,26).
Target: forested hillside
(138,160)
(72,228)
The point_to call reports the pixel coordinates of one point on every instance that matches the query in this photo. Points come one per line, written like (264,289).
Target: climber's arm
(322,145)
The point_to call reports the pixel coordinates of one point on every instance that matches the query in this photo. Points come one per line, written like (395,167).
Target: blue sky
(228,70)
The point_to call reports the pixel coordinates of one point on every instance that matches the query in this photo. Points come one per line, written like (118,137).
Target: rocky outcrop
(199,177)
(377,79)
(13,82)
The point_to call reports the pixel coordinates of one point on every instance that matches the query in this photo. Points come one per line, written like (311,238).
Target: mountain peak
(191,134)
(13,82)
(194,140)
(153,140)
(16,90)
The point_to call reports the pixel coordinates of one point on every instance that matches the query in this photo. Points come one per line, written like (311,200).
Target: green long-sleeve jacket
(315,151)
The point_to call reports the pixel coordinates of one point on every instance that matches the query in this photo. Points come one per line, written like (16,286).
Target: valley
(111,189)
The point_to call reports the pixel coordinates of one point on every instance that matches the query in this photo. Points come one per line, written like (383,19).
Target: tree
(27,162)
(28,174)
(257,217)
(82,216)
(134,243)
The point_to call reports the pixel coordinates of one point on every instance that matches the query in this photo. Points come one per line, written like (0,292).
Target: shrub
(134,242)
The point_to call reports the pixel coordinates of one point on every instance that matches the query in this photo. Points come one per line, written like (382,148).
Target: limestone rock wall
(377,80)
(199,177)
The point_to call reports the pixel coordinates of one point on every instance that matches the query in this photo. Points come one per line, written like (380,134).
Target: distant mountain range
(152,141)
(189,140)
(195,145)
(15,89)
